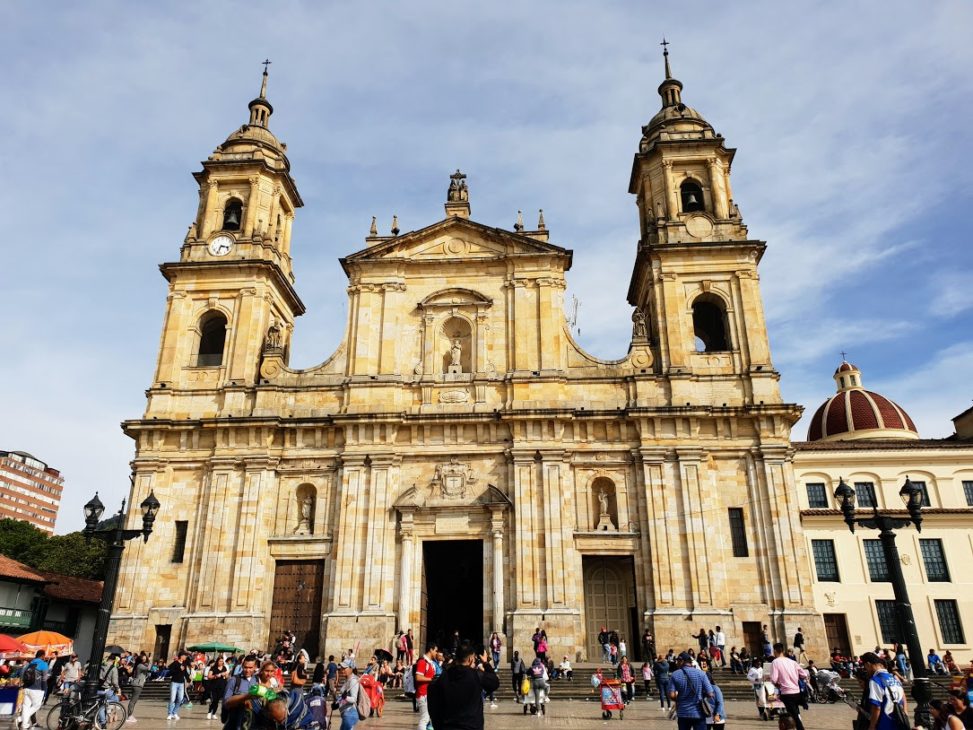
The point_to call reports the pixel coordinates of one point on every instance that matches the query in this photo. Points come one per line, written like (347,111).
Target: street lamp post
(116,538)
(886,525)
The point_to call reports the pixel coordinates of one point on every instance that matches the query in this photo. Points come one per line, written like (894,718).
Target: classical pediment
(454,239)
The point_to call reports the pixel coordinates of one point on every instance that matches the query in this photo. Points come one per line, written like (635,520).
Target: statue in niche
(604,519)
(455,357)
(306,508)
(274,338)
(638,325)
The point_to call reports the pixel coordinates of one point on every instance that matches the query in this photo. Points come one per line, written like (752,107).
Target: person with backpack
(787,674)
(33,679)
(236,695)
(349,696)
(110,684)
(692,692)
(885,695)
(456,698)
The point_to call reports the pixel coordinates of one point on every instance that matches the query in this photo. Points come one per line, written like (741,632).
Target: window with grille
(865,494)
(935,559)
(968,491)
(817,496)
(825,561)
(878,569)
(179,546)
(887,622)
(949,623)
(738,533)
(925,493)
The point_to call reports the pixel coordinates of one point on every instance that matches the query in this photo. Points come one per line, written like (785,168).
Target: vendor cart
(611,699)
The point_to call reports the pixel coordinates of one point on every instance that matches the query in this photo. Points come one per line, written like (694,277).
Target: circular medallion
(699,226)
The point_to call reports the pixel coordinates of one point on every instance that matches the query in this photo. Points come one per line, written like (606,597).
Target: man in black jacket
(456,698)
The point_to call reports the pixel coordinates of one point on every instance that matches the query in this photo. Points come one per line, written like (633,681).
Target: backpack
(363,704)
(403,643)
(537,670)
(28,676)
(224,713)
(318,707)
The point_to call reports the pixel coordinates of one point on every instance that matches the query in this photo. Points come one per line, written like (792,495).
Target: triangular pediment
(458,239)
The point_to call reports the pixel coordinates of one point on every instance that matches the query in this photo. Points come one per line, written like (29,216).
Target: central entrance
(452,591)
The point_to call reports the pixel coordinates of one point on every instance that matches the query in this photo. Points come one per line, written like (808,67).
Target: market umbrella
(382,655)
(49,640)
(10,644)
(214,646)
(114,649)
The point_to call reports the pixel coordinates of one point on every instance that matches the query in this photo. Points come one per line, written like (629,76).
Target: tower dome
(854,413)
(254,140)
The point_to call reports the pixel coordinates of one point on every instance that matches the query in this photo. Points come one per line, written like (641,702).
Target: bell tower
(233,282)
(695,275)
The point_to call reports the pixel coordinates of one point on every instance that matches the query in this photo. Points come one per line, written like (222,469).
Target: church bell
(232,220)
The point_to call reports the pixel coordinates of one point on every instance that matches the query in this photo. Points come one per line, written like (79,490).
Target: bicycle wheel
(115,716)
(55,715)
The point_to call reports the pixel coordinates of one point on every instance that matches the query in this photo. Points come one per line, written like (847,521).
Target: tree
(69,554)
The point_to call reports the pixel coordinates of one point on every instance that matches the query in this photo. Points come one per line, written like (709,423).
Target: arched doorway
(609,601)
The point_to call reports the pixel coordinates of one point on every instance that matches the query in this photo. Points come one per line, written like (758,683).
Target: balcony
(15,618)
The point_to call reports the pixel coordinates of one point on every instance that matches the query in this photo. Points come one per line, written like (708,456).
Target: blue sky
(853,163)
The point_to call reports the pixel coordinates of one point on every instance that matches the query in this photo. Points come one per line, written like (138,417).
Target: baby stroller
(611,699)
(829,691)
(769,704)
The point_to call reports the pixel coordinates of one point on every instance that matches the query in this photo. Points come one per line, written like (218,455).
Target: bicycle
(74,713)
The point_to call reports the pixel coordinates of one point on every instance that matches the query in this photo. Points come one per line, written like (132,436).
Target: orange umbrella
(49,640)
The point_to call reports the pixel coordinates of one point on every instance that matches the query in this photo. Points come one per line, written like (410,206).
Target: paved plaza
(509,716)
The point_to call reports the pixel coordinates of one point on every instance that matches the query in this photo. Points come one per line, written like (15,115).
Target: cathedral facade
(460,463)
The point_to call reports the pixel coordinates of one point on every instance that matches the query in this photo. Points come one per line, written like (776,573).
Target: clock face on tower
(221,245)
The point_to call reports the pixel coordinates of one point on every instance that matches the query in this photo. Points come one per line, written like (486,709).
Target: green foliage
(65,554)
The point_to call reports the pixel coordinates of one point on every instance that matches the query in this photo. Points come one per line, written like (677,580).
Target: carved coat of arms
(454,479)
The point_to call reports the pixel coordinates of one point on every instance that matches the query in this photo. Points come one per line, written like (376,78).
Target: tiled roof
(74,590)
(882,445)
(10,568)
(857,409)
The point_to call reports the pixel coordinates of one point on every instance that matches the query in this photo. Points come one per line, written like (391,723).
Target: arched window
(212,339)
(232,215)
(692,196)
(709,324)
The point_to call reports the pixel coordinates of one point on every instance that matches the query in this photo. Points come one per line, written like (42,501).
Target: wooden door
(836,629)
(298,586)
(163,634)
(751,636)
(609,596)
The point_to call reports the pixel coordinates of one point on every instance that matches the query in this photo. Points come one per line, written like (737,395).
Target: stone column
(209,214)
(251,216)
(405,571)
(720,206)
(497,527)
(671,198)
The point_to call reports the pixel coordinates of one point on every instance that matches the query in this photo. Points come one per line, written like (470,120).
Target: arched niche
(455,343)
(604,507)
(306,499)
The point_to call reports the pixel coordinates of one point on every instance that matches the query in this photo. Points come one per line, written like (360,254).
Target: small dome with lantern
(675,120)
(254,140)
(854,413)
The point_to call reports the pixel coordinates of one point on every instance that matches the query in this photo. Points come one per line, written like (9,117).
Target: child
(647,679)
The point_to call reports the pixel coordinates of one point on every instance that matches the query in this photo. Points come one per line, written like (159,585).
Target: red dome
(845,367)
(856,413)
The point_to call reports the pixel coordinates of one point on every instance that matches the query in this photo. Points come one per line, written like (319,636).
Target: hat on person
(348,664)
(870,657)
(685,657)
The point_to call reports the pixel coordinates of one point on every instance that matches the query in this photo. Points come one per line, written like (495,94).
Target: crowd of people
(284,690)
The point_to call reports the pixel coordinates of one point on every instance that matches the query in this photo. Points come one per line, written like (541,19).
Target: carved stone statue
(638,324)
(605,523)
(455,353)
(274,339)
(464,192)
(457,192)
(452,194)
(306,507)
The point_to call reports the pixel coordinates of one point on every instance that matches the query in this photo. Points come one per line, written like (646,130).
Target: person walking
(33,679)
(424,674)
(178,674)
(627,678)
(688,686)
(237,693)
(662,672)
(799,650)
(767,647)
(717,720)
(884,692)
(347,703)
(456,698)
(140,672)
(604,639)
(495,644)
(517,671)
(720,639)
(787,675)
(216,679)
